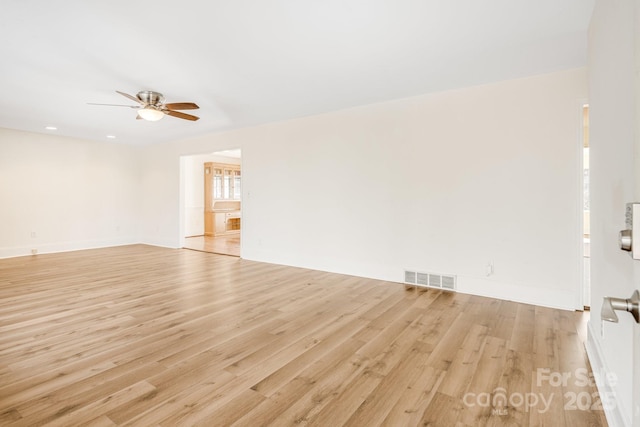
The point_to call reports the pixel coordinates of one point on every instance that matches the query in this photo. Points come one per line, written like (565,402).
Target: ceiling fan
(151,106)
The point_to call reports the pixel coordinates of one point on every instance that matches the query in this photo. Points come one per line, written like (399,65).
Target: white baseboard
(160,242)
(564,299)
(49,248)
(613,411)
(545,297)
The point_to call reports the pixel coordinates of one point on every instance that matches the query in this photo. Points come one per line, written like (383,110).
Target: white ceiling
(247,62)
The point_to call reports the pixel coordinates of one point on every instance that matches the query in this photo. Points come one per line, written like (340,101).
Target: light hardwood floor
(224,245)
(146,336)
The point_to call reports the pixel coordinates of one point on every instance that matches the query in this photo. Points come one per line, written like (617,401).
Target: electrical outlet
(34,252)
(489,269)
(33,234)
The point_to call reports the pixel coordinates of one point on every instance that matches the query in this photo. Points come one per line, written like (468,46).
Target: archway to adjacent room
(212,188)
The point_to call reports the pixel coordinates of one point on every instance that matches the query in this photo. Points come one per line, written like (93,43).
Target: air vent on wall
(435,280)
(448,282)
(410,277)
(422,279)
(430,280)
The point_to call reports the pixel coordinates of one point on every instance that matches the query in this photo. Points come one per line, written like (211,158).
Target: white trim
(17,251)
(181,200)
(547,297)
(580,297)
(163,243)
(614,412)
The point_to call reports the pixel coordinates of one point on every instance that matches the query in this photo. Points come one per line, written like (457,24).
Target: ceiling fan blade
(131,97)
(114,105)
(180,115)
(181,106)
(138,117)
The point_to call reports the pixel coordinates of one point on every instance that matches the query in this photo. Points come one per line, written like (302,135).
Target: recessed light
(111,136)
(51,128)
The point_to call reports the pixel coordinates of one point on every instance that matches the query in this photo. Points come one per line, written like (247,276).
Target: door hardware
(631,305)
(629,238)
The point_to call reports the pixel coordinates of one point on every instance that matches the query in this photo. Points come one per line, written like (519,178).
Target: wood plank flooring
(224,245)
(145,336)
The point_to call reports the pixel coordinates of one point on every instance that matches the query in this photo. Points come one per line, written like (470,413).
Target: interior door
(636,329)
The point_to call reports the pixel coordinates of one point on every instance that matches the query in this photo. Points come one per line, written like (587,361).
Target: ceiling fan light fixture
(151,114)
(150,106)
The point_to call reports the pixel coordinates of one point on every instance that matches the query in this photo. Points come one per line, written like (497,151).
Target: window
(225,183)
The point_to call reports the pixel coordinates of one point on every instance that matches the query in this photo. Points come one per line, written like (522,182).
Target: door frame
(182,190)
(583,288)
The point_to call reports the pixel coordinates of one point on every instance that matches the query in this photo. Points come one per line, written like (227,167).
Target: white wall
(441,183)
(613,183)
(193,179)
(72,194)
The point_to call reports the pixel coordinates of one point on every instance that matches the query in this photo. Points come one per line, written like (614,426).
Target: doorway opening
(586,211)
(213,202)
